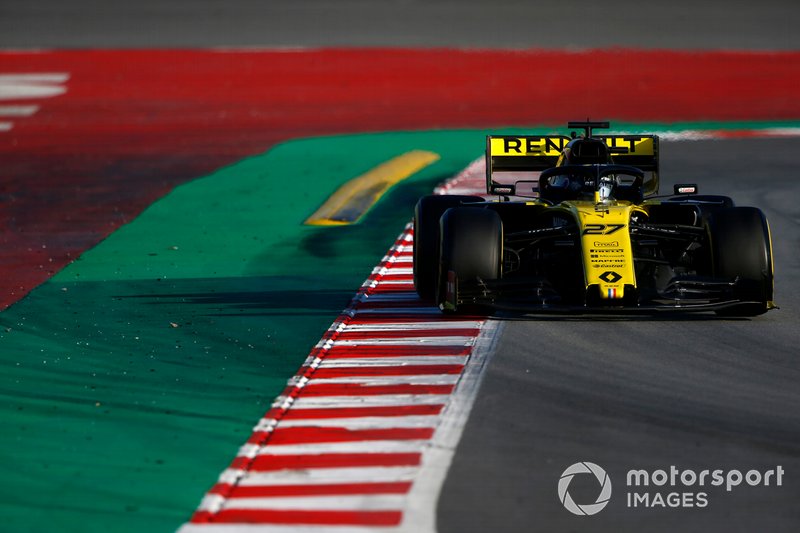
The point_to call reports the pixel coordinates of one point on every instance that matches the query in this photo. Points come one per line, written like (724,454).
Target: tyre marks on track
(363,434)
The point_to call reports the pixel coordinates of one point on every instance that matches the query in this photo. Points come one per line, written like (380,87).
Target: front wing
(536,297)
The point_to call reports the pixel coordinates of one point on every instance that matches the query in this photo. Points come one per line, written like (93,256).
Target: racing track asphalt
(633,393)
(681,24)
(628,393)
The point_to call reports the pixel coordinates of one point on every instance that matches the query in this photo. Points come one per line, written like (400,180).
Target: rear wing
(531,153)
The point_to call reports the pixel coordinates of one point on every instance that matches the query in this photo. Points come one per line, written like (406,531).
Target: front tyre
(471,249)
(741,250)
(427,212)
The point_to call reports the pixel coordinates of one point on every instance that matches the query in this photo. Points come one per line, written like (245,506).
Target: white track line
(380,446)
(270,528)
(18,110)
(400,326)
(438,379)
(398,310)
(382,400)
(362,422)
(362,502)
(390,269)
(312,476)
(420,514)
(367,362)
(417,341)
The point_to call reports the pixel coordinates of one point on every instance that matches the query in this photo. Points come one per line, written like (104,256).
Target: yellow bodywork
(606,246)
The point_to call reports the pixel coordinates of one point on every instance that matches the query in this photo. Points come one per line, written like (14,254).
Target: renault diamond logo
(610,276)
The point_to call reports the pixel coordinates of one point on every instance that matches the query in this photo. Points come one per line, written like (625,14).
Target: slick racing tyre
(471,249)
(741,250)
(428,211)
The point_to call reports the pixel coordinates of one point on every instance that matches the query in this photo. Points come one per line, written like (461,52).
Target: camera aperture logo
(587,509)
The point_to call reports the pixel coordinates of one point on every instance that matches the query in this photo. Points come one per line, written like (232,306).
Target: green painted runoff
(131,378)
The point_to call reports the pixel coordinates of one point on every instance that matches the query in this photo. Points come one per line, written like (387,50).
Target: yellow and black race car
(577,226)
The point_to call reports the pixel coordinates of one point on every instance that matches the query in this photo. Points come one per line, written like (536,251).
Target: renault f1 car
(575,223)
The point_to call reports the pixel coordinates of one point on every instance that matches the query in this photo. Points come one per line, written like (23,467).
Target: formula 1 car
(577,225)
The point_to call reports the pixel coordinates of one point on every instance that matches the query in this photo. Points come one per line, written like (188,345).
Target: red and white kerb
(363,434)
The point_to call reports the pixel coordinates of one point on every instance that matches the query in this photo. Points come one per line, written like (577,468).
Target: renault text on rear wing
(526,153)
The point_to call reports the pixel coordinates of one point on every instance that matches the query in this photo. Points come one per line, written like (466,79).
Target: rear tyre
(428,211)
(471,248)
(741,249)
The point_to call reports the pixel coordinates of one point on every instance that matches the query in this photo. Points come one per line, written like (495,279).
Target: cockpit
(581,182)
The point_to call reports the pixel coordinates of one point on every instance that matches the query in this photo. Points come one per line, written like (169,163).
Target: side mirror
(527,188)
(502,189)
